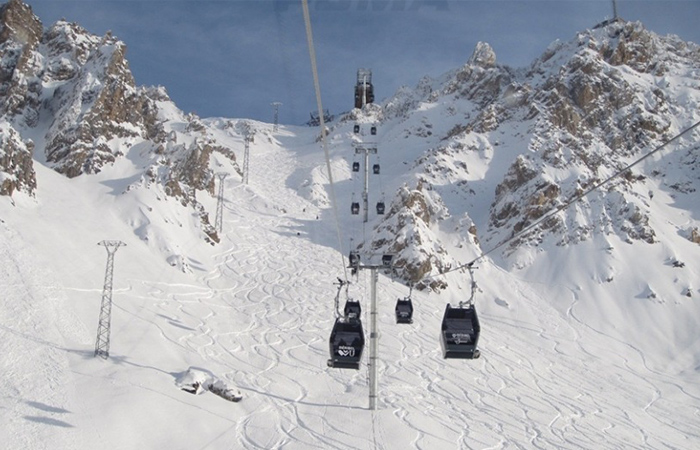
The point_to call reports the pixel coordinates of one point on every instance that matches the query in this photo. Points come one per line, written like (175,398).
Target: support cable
(317,87)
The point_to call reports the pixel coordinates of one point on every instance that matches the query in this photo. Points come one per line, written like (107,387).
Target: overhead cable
(317,87)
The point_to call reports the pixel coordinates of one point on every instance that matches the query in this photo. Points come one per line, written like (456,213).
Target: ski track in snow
(259,319)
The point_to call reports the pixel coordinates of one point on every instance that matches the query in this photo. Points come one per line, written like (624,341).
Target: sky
(233,58)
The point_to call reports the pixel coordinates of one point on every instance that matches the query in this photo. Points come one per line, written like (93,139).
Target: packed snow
(592,345)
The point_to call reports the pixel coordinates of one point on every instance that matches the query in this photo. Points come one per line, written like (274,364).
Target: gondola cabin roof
(463,318)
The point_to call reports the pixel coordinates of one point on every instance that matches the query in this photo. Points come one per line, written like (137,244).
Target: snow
(576,351)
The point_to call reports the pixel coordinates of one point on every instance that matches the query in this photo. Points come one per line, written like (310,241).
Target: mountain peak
(18,23)
(483,56)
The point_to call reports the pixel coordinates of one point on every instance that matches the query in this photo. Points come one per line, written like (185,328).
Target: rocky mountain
(497,148)
(485,150)
(68,100)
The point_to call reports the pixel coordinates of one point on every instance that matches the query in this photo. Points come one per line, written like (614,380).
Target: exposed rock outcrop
(76,91)
(577,115)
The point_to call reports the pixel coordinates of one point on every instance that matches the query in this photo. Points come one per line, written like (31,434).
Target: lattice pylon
(218,223)
(276,106)
(104,325)
(246,156)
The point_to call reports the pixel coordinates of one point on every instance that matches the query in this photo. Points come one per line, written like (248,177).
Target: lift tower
(248,138)
(364,91)
(386,264)
(276,106)
(103,327)
(218,223)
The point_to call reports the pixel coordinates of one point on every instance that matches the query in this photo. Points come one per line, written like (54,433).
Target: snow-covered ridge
(544,134)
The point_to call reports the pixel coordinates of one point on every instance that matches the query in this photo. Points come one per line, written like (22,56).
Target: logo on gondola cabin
(461,338)
(345,350)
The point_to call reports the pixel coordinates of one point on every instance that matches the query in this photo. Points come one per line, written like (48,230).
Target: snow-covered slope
(562,364)
(589,335)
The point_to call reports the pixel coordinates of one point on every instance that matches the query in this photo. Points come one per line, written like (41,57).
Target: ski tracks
(255,324)
(265,312)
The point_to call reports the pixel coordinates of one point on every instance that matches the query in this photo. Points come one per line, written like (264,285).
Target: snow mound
(195,381)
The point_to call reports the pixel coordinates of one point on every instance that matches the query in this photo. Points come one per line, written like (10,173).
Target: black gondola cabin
(346,344)
(387,260)
(459,335)
(354,259)
(404,311)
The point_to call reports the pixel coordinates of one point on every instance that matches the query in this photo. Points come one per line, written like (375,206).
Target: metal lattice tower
(103,327)
(246,157)
(614,9)
(387,265)
(218,223)
(276,105)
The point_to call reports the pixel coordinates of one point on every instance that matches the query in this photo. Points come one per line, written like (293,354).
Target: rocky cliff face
(532,139)
(20,33)
(599,102)
(76,92)
(16,159)
(406,233)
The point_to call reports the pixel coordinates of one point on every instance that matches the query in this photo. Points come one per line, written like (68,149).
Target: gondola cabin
(375,169)
(354,259)
(356,166)
(352,309)
(380,208)
(459,335)
(387,260)
(404,311)
(373,131)
(346,344)
(355,208)
(356,129)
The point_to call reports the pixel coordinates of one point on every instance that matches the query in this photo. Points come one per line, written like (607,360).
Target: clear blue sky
(232,58)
